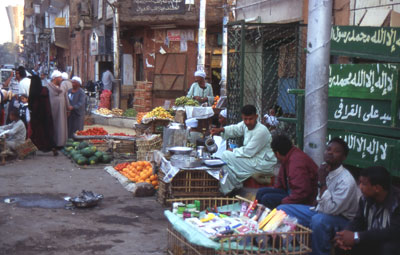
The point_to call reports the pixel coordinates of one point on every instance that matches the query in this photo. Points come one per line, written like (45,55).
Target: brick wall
(143,96)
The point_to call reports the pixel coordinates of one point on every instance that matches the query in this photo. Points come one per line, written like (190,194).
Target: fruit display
(85,154)
(117,112)
(140,116)
(92,131)
(181,101)
(120,134)
(216,99)
(104,111)
(140,171)
(159,113)
(130,113)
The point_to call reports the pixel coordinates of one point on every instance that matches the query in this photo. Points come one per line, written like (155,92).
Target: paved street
(121,224)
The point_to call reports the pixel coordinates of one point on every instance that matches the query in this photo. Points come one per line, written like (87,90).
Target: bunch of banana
(104,111)
(186,101)
(159,113)
(117,112)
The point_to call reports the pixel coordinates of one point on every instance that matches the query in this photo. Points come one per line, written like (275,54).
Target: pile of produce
(117,112)
(140,116)
(130,113)
(104,111)
(216,99)
(97,141)
(140,171)
(84,154)
(120,134)
(182,101)
(159,113)
(93,131)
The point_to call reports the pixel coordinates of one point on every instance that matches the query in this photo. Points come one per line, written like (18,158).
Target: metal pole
(224,67)
(117,82)
(201,47)
(317,74)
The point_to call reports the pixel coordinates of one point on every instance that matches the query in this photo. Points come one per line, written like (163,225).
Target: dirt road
(121,224)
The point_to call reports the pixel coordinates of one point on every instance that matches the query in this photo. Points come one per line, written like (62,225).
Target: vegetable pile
(93,131)
(85,154)
(181,101)
(140,171)
(130,113)
(216,99)
(159,113)
(104,111)
(140,116)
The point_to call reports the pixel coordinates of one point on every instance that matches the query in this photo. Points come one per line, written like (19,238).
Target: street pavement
(120,224)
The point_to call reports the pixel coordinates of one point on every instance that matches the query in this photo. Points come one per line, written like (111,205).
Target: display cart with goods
(232,226)
(154,121)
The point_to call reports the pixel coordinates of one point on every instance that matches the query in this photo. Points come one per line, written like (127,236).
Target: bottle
(251,208)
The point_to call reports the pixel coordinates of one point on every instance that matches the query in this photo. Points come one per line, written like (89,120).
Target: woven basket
(278,243)
(26,149)
(155,143)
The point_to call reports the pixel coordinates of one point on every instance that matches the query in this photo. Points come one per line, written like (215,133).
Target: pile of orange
(140,116)
(140,171)
(216,99)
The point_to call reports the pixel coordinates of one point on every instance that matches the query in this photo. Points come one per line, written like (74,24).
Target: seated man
(200,90)
(255,156)
(337,199)
(297,179)
(376,227)
(15,132)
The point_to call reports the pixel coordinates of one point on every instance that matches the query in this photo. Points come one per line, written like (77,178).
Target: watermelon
(106,158)
(83,145)
(87,152)
(93,148)
(69,148)
(76,156)
(75,144)
(93,160)
(99,155)
(82,160)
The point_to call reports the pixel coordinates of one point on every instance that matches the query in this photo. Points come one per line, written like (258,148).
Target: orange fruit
(156,187)
(155,183)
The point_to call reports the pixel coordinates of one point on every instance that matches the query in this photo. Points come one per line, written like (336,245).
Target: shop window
(139,67)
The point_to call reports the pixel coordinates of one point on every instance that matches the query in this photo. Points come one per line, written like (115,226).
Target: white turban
(64,75)
(76,78)
(200,73)
(224,113)
(55,74)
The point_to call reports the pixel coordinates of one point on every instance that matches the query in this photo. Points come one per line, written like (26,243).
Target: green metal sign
(369,150)
(369,81)
(380,43)
(373,112)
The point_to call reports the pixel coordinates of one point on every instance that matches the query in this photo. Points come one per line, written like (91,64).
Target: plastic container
(191,208)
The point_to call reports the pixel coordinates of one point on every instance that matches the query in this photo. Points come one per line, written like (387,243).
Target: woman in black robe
(41,118)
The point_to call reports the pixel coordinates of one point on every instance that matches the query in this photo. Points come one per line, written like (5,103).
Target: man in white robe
(255,156)
(200,90)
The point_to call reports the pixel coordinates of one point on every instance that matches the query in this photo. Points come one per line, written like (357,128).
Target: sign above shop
(94,44)
(142,7)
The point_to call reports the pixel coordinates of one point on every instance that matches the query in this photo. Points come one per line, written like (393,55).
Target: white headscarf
(192,122)
(224,113)
(76,78)
(64,75)
(200,73)
(55,74)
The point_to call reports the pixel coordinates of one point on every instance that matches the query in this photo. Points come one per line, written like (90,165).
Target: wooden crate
(276,243)
(187,183)
(149,145)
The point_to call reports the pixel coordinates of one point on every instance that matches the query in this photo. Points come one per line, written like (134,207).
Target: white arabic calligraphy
(343,113)
(151,6)
(384,36)
(362,78)
(374,147)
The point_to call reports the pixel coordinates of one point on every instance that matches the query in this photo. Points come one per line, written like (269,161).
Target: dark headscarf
(35,89)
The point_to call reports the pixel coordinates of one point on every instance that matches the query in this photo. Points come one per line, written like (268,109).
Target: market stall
(232,226)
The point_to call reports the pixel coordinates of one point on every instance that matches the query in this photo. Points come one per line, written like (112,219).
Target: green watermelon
(87,152)
(75,144)
(93,160)
(83,145)
(76,156)
(93,148)
(106,158)
(82,160)
(69,148)
(99,155)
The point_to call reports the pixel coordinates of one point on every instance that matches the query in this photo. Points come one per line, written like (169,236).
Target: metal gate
(264,61)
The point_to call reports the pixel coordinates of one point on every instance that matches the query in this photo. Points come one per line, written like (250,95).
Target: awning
(61,36)
(380,17)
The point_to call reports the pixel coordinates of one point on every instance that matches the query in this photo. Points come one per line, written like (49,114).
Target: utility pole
(117,83)
(224,66)
(317,77)
(201,48)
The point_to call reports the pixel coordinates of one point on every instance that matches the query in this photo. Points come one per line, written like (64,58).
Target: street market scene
(200,127)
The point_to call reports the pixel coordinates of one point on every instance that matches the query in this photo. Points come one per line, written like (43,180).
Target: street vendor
(255,156)
(200,90)
(14,133)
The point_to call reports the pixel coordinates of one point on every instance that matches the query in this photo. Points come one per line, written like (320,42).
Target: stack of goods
(105,99)
(103,111)
(215,223)
(183,101)
(140,171)
(99,131)
(130,113)
(216,99)
(83,153)
(117,112)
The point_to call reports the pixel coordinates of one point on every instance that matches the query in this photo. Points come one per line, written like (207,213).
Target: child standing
(24,112)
